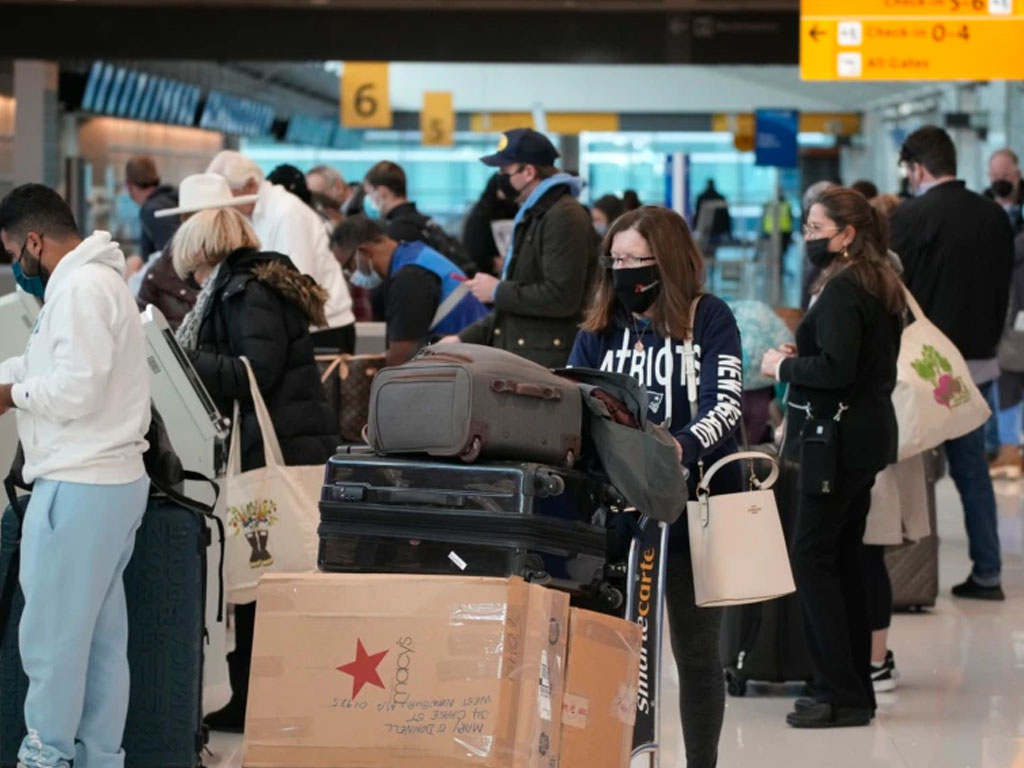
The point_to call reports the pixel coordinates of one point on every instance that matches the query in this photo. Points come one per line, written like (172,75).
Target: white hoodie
(82,386)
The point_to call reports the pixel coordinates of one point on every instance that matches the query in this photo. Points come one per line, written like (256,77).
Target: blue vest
(467,311)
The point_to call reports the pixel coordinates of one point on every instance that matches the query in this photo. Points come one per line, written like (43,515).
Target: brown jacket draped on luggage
(540,303)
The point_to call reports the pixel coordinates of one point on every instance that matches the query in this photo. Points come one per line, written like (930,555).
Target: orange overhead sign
(911,39)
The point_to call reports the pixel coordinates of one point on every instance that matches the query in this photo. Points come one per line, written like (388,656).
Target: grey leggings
(695,645)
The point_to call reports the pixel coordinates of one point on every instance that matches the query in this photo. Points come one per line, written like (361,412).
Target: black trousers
(240,659)
(827,554)
(879,586)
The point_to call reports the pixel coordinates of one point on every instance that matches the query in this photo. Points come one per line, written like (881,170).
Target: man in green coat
(539,301)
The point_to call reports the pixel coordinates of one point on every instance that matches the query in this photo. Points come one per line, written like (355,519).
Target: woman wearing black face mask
(640,316)
(842,428)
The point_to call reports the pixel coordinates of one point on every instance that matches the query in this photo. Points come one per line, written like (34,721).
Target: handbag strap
(336,361)
(763,485)
(13,565)
(271,447)
(690,360)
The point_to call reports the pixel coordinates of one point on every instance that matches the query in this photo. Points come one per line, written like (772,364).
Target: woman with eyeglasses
(652,275)
(841,427)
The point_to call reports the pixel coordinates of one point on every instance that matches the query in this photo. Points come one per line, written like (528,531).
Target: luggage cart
(645,605)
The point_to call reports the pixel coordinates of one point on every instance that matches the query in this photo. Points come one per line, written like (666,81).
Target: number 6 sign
(365,97)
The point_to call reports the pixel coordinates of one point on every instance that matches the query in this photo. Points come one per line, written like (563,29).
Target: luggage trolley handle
(416,496)
(648,554)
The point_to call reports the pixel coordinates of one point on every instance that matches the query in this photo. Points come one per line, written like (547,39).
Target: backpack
(434,235)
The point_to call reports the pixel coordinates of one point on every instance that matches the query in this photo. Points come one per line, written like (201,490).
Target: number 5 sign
(437,120)
(365,97)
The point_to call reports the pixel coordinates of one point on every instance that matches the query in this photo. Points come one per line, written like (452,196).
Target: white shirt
(285,224)
(82,387)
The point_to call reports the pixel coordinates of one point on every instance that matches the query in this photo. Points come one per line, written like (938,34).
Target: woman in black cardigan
(842,373)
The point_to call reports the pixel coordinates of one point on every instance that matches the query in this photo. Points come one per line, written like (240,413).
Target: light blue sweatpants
(76,542)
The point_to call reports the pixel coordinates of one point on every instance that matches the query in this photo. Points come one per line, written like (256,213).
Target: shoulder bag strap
(689,359)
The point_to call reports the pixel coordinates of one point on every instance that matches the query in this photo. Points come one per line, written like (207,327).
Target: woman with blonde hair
(258,306)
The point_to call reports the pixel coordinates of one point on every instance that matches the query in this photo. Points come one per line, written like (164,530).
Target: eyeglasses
(612,261)
(811,229)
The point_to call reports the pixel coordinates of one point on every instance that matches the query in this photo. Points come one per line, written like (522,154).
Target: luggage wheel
(472,453)
(736,683)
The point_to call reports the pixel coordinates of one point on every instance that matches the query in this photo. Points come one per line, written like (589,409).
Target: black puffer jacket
(262,309)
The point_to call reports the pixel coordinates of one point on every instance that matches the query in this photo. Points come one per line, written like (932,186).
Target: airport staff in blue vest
(422,293)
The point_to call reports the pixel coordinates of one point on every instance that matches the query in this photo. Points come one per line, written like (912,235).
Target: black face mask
(818,253)
(1002,188)
(506,186)
(637,288)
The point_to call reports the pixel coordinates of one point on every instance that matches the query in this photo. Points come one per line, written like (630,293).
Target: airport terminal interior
(737,118)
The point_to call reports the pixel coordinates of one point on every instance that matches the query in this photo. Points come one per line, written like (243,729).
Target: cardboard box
(599,707)
(368,671)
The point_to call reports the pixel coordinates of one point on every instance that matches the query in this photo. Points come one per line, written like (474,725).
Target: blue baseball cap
(522,145)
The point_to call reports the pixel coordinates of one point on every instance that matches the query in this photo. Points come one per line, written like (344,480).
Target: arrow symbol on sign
(816,33)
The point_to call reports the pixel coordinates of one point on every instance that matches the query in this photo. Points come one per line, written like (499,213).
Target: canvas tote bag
(737,548)
(935,398)
(272,514)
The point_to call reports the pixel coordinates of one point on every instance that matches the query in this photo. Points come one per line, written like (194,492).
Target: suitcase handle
(416,496)
(525,389)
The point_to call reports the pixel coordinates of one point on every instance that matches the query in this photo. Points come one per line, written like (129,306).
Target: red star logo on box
(364,669)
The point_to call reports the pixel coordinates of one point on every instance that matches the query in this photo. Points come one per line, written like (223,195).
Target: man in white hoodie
(81,396)
(285,224)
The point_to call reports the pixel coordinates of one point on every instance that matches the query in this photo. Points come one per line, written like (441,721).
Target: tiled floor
(961,699)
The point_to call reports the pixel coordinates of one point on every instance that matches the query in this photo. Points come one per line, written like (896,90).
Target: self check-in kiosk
(199,435)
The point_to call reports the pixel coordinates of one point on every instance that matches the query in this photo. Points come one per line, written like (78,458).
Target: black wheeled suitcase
(395,515)
(165,589)
(766,641)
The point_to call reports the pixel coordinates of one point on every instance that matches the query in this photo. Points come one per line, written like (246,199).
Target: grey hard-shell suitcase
(473,401)
(914,568)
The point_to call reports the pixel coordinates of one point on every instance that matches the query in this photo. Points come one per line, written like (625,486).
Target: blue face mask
(370,208)
(366,281)
(35,285)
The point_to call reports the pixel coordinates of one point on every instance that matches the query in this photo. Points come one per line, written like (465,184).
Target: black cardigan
(847,348)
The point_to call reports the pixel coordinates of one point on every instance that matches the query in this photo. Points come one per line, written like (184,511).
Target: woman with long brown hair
(637,324)
(841,427)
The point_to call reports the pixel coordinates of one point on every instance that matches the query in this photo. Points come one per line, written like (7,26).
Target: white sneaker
(884,675)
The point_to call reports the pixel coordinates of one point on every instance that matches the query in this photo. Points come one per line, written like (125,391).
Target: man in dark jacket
(385,188)
(957,253)
(143,184)
(1007,187)
(544,288)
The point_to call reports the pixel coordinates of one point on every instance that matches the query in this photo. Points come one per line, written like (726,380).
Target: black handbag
(819,456)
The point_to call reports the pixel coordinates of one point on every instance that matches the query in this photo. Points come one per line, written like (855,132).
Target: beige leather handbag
(736,542)
(737,546)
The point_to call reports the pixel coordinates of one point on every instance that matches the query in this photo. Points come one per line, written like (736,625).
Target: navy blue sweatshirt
(708,434)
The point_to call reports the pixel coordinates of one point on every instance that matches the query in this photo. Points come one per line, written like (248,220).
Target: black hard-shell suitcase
(393,515)
(766,641)
(473,401)
(165,589)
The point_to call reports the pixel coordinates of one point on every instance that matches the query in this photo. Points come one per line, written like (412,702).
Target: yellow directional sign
(923,40)
(437,119)
(365,97)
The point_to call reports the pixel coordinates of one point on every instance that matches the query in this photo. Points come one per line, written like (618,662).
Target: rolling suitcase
(165,590)
(400,515)
(766,641)
(473,401)
(914,568)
